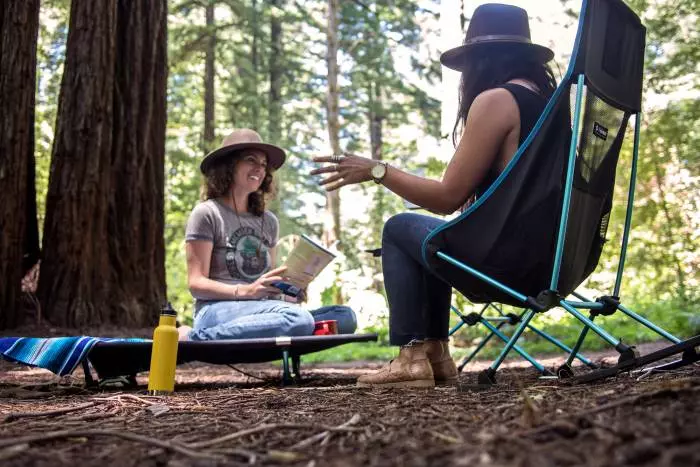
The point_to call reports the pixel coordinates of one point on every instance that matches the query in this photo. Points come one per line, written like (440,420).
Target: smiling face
(250,170)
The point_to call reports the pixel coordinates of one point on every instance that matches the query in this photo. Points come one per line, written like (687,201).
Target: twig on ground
(250,456)
(249,375)
(325,434)
(118,398)
(265,427)
(17,415)
(119,434)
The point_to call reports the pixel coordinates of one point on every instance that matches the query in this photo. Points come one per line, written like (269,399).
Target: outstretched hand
(346,169)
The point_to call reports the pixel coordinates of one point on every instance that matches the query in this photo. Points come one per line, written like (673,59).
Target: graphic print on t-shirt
(246,255)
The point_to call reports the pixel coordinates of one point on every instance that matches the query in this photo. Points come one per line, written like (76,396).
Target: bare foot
(184,333)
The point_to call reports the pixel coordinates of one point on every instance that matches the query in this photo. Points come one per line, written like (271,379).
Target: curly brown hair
(219,178)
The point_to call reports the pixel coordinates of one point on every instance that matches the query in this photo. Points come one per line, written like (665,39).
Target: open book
(305,261)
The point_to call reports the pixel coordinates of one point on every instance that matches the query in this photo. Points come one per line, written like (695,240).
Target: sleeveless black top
(531,105)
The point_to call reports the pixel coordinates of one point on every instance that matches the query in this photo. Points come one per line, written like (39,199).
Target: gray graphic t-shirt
(241,243)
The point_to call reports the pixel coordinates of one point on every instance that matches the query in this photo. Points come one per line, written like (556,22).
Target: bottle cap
(168,310)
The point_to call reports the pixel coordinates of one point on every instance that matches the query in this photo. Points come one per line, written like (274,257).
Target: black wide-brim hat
(493,28)
(244,139)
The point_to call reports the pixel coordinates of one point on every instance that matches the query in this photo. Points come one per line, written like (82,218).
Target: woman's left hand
(346,169)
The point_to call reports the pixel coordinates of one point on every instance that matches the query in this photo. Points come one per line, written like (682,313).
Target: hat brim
(457,58)
(275,155)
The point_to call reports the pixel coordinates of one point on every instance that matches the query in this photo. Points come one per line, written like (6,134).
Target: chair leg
(566,369)
(457,327)
(481,345)
(516,347)
(286,375)
(488,376)
(627,353)
(563,347)
(89,380)
(296,371)
(649,324)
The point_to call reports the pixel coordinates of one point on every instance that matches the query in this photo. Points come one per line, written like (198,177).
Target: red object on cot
(326,327)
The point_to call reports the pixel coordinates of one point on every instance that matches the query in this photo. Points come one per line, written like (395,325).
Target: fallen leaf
(12,451)
(157,409)
(284,456)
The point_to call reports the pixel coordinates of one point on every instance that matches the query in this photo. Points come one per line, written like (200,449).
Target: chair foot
(628,354)
(487,377)
(565,371)
(686,347)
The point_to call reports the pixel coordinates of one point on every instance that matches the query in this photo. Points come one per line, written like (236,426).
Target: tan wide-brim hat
(244,139)
(496,28)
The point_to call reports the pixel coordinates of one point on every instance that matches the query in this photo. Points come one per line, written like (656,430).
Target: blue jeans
(419,302)
(249,319)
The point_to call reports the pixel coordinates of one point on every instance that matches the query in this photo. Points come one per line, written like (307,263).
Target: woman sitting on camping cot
(505,87)
(230,245)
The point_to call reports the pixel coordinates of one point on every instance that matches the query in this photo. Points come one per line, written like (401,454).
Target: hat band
(498,38)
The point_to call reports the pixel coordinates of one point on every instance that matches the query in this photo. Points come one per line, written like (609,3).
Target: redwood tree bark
(209,78)
(19,244)
(136,204)
(332,230)
(274,120)
(103,234)
(74,286)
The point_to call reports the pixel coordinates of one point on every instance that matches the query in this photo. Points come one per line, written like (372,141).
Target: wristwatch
(378,172)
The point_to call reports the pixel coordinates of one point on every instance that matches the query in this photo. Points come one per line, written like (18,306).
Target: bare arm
(201,286)
(273,257)
(492,116)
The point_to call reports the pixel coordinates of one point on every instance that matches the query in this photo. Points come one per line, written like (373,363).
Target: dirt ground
(219,416)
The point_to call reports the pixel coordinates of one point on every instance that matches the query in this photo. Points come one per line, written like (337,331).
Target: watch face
(378,171)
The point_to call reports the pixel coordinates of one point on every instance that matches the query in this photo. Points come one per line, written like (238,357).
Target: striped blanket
(60,355)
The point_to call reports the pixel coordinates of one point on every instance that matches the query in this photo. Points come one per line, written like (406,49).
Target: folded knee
(298,322)
(395,224)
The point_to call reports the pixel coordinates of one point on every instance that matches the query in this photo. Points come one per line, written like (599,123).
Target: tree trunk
(332,230)
(254,59)
(136,208)
(275,97)
(19,244)
(74,286)
(667,235)
(376,119)
(103,233)
(209,77)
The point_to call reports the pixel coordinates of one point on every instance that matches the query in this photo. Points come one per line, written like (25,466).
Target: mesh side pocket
(602,127)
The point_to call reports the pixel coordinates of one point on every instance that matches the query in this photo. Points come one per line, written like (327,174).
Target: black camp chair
(537,233)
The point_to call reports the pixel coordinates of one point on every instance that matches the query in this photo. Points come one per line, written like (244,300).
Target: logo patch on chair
(600,131)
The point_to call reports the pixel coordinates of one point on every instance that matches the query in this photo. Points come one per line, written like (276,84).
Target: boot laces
(412,343)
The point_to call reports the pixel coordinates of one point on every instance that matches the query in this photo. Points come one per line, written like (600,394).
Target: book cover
(304,263)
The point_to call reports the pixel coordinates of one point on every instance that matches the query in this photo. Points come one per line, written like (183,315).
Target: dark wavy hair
(219,178)
(490,68)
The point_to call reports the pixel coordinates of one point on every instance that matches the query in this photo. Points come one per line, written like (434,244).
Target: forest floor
(219,416)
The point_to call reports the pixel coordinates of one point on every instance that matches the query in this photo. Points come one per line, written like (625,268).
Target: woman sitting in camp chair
(230,245)
(505,87)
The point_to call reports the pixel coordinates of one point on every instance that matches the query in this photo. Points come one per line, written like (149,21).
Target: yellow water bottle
(161,379)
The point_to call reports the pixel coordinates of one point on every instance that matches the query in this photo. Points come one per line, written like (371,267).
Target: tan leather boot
(410,369)
(444,368)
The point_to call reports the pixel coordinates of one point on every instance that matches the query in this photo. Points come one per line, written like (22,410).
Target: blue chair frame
(473,319)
